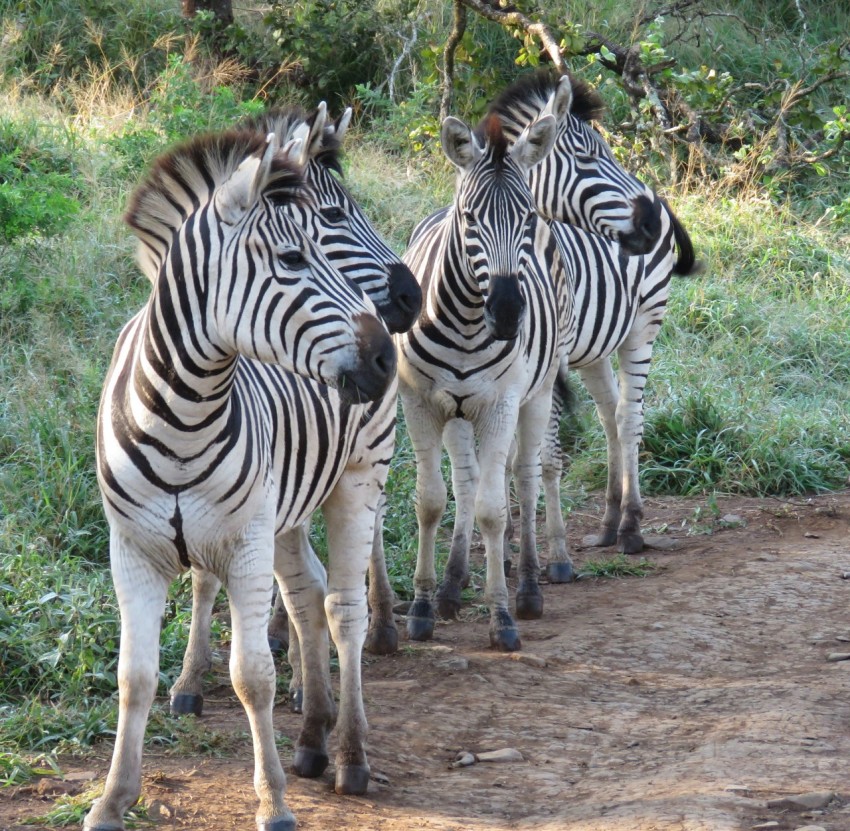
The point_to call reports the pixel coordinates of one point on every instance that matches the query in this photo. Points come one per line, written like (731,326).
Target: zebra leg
(559,569)
(599,379)
(382,637)
(509,520)
(350,513)
(634,356)
(425,435)
(293,658)
(141,591)
(459,439)
(491,513)
(531,427)
(302,579)
(187,694)
(252,671)
(279,625)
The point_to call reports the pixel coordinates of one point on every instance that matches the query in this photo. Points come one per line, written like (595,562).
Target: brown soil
(691,699)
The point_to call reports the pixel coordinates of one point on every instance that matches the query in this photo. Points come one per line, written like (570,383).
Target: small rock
(810,828)
(506,754)
(765,825)
(380,778)
(157,809)
(456,663)
(806,801)
(463,760)
(740,790)
(833,657)
(732,519)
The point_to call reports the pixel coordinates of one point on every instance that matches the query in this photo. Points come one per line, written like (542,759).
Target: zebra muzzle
(646,226)
(375,366)
(504,308)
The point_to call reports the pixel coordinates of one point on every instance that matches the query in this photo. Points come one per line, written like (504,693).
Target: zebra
(620,300)
(334,220)
(483,357)
(201,453)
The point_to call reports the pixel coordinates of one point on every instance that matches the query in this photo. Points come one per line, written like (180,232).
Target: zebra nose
(646,226)
(374,367)
(504,308)
(405,299)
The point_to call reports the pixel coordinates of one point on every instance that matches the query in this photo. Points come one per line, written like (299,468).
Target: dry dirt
(690,700)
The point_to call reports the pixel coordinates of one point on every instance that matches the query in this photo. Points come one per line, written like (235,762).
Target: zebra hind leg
(382,637)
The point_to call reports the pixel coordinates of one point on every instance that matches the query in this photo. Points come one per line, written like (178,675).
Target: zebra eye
(469,217)
(333,214)
(293,259)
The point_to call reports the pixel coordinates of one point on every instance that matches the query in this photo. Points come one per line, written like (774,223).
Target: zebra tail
(564,397)
(686,262)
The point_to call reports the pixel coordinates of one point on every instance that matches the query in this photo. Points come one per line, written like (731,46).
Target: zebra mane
(184,178)
(532,91)
(490,130)
(283,121)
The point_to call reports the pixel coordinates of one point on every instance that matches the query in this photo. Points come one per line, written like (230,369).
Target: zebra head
(335,221)
(496,225)
(580,182)
(235,275)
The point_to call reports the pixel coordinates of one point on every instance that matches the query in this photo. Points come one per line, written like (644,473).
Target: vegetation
(749,390)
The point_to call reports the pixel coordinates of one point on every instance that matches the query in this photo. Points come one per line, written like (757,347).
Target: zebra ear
(459,143)
(342,123)
(239,193)
(561,100)
(309,134)
(535,142)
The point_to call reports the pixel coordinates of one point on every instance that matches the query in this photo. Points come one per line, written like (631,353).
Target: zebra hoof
(448,601)
(309,763)
(507,566)
(382,640)
(606,537)
(352,780)
(504,635)
(529,601)
(296,699)
(284,822)
(561,572)
(631,543)
(187,704)
(420,621)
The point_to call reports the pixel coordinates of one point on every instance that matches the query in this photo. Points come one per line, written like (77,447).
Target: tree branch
(458,28)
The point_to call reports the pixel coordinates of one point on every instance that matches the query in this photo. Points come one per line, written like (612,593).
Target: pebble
(740,790)
(811,801)
(834,657)
(810,828)
(764,825)
(456,663)
(157,809)
(463,760)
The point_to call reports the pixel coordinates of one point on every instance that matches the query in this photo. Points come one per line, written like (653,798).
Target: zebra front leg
(141,591)
(533,420)
(491,514)
(187,693)
(350,513)
(425,435)
(279,625)
(559,568)
(252,671)
(382,637)
(302,580)
(459,439)
(599,379)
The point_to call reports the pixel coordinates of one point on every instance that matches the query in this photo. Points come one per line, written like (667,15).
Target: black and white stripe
(481,360)
(620,300)
(213,453)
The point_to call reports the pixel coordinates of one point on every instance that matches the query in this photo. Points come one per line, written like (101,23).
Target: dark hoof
(382,640)
(448,600)
(631,543)
(278,646)
(309,763)
(507,566)
(529,601)
(187,704)
(504,635)
(286,823)
(352,780)
(561,572)
(420,621)
(296,699)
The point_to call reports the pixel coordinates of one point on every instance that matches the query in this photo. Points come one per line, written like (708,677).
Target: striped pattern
(480,362)
(620,299)
(211,453)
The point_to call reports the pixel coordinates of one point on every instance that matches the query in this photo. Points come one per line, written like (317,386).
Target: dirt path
(688,700)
